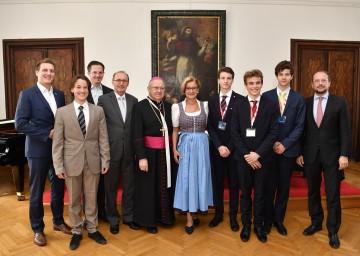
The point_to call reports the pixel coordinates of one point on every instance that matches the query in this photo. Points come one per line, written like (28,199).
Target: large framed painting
(188,43)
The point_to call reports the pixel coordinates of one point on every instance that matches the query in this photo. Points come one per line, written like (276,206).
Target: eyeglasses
(317,81)
(121,80)
(156,88)
(191,89)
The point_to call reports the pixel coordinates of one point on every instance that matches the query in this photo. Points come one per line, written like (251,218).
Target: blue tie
(81,119)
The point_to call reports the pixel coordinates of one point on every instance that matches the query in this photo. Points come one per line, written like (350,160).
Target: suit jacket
(119,131)
(290,133)
(105,90)
(333,137)
(35,119)
(70,147)
(265,123)
(221,137)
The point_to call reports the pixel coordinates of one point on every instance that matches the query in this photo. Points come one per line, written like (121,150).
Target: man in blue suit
(35,117)
(254,131)
(291,118)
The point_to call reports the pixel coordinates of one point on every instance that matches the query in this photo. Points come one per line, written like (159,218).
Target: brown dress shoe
(39,239)
(63,228)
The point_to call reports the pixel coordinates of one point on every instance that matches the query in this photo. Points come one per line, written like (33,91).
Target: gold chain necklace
(162,126)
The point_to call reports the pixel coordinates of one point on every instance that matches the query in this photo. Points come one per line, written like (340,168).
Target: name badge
(282,120)
(221,125)
(250,132)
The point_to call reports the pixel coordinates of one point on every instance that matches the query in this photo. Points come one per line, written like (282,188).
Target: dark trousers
(278,188)
(125,170)
(220,165)
(332,179)
(250,179)
(39,170)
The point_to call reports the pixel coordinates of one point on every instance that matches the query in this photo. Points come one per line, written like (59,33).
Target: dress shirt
(85,111)
(49,96)
(323,103)
(121,100)
(96,92)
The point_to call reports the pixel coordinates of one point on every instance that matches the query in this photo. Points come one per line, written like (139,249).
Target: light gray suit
(81,159)
(121,155)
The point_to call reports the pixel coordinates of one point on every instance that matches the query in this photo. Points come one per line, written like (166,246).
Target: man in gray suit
(118,106)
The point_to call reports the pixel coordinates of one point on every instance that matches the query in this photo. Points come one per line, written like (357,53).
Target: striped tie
(223,104)
(81,119)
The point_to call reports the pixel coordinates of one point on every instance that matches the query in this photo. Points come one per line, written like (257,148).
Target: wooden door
(21,56)
(341,60)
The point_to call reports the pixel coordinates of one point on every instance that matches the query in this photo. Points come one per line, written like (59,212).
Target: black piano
(12,152)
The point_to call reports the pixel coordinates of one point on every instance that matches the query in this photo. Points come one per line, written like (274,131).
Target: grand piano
(12,152)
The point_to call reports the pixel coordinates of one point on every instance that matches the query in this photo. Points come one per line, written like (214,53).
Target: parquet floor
(16,237)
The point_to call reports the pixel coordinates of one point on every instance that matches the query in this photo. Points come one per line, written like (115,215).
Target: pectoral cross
(163,131)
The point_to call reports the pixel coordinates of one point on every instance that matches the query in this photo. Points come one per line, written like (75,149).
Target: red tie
(253,109)
(319,114)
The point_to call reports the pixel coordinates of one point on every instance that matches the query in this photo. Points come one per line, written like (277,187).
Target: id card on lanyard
(251,132)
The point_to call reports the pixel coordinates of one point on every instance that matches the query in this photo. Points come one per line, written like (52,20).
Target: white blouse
(175,111)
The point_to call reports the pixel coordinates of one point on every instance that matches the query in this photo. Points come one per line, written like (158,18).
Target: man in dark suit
(118,107)
(34,117)
(326,148)
(81,152)
(222,147)
(291,118)
(96,71)
(254,131)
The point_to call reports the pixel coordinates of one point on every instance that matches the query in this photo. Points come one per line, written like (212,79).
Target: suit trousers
(125,170)
(250,179)
(332,179)
(220,165)
(278,188)
(39,170)
(87,182)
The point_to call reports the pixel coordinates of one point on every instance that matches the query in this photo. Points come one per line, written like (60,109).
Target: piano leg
(18,175)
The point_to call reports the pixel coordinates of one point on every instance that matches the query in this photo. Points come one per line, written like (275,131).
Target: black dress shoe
(312,229)
(267,228)
(98,237)
(189,230)
(260,233)
(245,234)
(216,220)
(132,225)
(281,228)
(75,241)
(334,241)
(152,230)
(114,229)
(234,225)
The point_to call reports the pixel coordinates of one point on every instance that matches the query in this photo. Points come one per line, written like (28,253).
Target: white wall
(118,33)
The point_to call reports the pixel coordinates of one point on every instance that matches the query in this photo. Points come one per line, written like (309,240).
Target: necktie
(319,114)
(122,107)
(81,119)
(282,101)
(223,104)
(253,110)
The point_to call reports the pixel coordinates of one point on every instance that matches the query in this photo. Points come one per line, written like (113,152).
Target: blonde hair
(186,81)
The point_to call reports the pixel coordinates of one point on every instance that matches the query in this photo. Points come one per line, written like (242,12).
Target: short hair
(122,72)
(322,71)
(252,73)
(81,77)
(94,63)
(226,70)
(285,64)
(188,80)
(46,60)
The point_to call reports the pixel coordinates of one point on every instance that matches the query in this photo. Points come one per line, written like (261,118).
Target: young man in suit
(222,147)
(34,117)
(118,107)
(81,152)
(326,148)
(254,131)
(96,71)
(291,118)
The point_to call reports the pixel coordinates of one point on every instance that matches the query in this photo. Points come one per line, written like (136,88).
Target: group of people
(177,156)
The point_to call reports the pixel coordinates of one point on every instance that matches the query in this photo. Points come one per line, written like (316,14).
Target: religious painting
(188,43)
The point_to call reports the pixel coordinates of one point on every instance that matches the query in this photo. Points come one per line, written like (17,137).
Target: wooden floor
(16,236)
